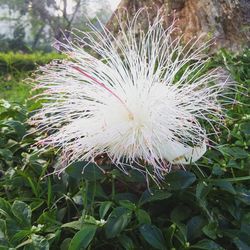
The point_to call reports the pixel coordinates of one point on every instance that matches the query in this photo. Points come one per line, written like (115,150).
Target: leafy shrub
(13,63)
(207,207)
(15,67)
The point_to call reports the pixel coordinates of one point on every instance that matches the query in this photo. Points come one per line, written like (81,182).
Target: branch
(75,11)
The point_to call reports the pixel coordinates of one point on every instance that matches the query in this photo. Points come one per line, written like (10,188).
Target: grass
(15,68)
(14,63)
(14,89)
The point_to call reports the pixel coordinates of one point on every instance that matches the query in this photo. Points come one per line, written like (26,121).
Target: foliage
(17,43)
(33,24)
(15,67)
(13,88)
(14,63)
(206,207)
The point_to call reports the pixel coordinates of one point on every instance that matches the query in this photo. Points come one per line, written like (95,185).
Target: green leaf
(25,245)
(202,190)
(245,223)
(243,195)
(3,232)
(154,195)
(180,213)
(18,127)
(117,221)
(181,233)
(180,179)
(82,239)
(21,234)
(95,191)
(225,185)
(65,244)
(127,204)
(143,217)
(39,242)
(217,170)
(194,227)
(126,242)
(210,230)
(73,224)
(240,244)
(88,219)
(206,245)
(85,170)
(169,233)
(134,176)
(153,236)
(49,218)
(6,154)
(22,212)
(238,237)
(105,206)
(233,164)
(5,208)
(245,128)
(12,226)
(235,152)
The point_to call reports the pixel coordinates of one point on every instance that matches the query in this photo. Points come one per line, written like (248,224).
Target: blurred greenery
(206,207)
(31,25)
(18,63)
(15,68)
(14,89)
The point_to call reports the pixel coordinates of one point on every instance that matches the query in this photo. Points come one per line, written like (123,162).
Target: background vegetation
(15,67)
(206,207)
(31,25)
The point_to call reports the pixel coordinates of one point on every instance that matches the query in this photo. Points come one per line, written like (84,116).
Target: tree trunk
(227,22)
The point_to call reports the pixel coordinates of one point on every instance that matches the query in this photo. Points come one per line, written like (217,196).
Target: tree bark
(227,22)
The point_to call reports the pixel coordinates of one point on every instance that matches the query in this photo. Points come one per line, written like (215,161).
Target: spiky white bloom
(138,98)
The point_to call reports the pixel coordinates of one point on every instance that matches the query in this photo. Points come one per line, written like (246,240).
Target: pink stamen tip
(100,84)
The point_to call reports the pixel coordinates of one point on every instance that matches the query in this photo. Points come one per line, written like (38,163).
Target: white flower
(140,98)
